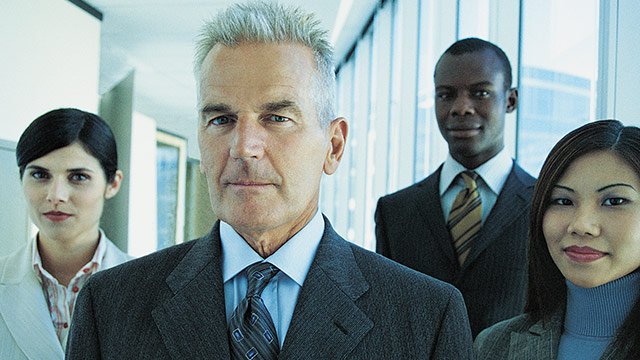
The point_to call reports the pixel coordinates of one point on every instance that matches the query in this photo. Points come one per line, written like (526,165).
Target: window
(557,74)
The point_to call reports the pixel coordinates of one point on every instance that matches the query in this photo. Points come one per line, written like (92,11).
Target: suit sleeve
(454,339)
(83,336)
(382,243)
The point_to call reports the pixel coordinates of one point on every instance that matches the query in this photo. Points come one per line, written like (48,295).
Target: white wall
(14,223)
(50,59)
(143,234)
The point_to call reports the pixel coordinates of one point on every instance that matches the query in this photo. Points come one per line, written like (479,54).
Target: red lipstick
(583,254)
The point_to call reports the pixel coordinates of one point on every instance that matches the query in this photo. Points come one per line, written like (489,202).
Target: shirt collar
(93,265)
(294,258)
(494,172)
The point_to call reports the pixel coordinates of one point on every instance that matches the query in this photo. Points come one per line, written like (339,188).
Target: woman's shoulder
(493,342)
(15,265)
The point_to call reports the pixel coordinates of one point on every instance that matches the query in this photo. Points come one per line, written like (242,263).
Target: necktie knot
(259,275)
(469,178)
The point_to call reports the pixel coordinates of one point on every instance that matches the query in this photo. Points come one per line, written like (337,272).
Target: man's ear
(114,186)
(512,99)
(337,142)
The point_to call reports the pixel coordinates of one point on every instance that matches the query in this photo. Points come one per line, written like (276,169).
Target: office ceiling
(154,38)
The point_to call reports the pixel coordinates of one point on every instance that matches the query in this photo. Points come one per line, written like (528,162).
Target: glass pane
(437,31)
(557,76)
(167,170)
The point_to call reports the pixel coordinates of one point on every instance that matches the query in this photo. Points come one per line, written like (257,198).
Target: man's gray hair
(270,22)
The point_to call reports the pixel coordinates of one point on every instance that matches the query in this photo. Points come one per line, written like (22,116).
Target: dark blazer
(354,304)
(411,229)
(520,338)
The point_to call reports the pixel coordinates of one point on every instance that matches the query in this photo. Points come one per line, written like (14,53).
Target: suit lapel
(24,309)
(193,322)
(511,205)
(327,323)
(430,208)
(539,342)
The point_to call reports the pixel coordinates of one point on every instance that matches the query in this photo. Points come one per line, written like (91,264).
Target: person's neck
(266,243)
(601,310)
(477,160)
(63,258)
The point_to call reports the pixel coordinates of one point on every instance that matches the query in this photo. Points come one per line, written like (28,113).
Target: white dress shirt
(491,178)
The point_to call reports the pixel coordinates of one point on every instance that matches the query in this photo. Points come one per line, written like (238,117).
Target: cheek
(549,227)
(211,161)
(32,195)
(629,230)
(553,230)
(441,112)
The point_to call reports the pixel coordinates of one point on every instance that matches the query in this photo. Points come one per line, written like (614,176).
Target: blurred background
(131,62)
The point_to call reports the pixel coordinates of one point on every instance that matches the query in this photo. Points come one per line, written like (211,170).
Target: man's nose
(462,105)
(248,139)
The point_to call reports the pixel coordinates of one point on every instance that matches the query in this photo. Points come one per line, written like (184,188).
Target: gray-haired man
(272,279)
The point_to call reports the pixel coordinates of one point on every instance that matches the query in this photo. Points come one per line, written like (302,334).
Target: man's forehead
(469,68)
(240,92)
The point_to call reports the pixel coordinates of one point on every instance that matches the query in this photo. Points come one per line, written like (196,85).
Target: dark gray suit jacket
(520,338)
(354,304)
(411,229)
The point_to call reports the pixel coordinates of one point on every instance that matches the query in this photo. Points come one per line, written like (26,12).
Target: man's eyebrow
(482,83)
(281,105)
(478,84)
(215,108)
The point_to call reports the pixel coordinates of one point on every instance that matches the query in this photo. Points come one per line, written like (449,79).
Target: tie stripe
(465,217)
(252,334)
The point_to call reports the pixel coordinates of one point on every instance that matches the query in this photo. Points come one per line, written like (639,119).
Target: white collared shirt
(492,177)
(293,259)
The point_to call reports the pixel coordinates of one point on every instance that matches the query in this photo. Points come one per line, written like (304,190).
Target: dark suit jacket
(520,338)
(354,304)
(411,229)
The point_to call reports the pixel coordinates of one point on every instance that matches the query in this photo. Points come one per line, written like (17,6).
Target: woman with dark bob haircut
(584,254)
(68,166)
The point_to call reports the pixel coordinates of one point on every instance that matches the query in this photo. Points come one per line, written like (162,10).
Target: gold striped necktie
(465,217)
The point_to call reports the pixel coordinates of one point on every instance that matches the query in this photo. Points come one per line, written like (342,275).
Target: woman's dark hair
(63,127)
(547,291)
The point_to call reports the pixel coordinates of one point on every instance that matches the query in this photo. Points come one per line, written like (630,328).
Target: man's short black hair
(470,45)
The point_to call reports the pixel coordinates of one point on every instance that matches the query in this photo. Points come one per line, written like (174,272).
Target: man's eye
(220,120)
(614,201)
(278,118)
(443,96)
(481,93)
